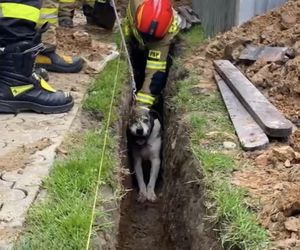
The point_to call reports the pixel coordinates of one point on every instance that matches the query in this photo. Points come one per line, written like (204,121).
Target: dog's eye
(146,120)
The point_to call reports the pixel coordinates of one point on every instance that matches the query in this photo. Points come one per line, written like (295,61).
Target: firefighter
(49,59)
(150,28)
(21,89)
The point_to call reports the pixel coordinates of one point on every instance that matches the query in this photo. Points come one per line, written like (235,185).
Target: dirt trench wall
(184,212)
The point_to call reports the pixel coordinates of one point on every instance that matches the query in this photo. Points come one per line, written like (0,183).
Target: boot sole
(62,69)
(14,107)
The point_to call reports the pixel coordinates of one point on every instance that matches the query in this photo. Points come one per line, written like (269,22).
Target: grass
(193,37)
(210,127)
(62,219)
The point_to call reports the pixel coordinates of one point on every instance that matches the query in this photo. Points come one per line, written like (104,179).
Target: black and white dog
(145,145)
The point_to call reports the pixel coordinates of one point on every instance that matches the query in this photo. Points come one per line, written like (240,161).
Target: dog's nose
(139,131)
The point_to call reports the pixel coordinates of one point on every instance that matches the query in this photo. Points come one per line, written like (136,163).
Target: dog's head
(141,124)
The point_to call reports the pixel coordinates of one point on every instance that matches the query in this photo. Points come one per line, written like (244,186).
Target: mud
(273,178)
(141,225)
(21,156)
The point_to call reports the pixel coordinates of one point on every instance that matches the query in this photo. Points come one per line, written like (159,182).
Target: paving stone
(27,152)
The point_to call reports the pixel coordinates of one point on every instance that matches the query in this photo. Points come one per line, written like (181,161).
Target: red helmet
(154,17)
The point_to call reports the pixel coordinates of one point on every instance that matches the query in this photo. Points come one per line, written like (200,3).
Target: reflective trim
(145,98)
(67,1)
(138,99)
(21,11)
(46,86)
(143,107)
(41,59)
(48,15)
(132,26)
(18,90)
(150,97)
(157,65)
(175,27)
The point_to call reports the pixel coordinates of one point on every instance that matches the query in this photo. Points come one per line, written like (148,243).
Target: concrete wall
(221,15)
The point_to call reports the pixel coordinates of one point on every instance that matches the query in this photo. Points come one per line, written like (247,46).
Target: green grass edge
(62,219)
(207,118)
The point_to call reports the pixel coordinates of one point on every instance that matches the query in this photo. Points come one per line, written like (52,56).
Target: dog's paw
(142,197)
(151,196)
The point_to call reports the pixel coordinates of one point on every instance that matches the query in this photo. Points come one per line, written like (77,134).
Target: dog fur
(145,145)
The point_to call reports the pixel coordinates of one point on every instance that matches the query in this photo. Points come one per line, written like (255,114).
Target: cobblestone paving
(28,143)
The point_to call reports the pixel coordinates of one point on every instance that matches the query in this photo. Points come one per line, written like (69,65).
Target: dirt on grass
(274,178)
(90,42)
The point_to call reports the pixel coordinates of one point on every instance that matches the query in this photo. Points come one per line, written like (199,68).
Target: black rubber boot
(51,61)
(66,23)
(65,17)
(21,89)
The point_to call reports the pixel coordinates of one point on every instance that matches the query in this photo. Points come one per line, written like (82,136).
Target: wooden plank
(269,54)
(191,17)
(264,113)
(183,23)
(250,134)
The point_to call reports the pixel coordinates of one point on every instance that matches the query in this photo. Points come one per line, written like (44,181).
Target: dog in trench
(144,132)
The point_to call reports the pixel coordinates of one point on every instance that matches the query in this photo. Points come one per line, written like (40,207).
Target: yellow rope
(103,151)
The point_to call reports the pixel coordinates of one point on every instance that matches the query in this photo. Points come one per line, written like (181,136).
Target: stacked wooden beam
(253,116)
(188,17)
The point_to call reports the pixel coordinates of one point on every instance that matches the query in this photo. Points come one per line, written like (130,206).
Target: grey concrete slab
(266,53)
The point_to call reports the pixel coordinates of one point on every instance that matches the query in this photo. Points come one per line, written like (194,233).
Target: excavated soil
(274,178)
(90,42)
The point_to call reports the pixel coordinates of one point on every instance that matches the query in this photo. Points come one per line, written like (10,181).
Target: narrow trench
(140,226)
(177,219)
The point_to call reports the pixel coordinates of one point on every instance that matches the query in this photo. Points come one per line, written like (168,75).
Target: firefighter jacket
(18,19)
(156,65)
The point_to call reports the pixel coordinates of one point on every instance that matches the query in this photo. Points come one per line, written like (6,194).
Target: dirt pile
(279,81)
(274,179)
(275,182)
(90,42)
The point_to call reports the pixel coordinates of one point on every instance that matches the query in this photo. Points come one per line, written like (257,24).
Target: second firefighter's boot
(65,17)
(51,61)
(23,90)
